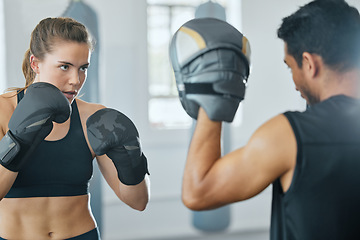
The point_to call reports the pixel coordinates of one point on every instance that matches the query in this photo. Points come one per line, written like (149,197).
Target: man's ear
(34,63)
(311,64)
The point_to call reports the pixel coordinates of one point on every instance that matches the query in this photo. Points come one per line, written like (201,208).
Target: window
(164,18)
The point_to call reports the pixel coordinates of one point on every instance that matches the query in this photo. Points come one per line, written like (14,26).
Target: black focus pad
(112,133)
(210,59)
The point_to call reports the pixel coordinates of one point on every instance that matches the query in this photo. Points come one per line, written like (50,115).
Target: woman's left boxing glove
(112,133)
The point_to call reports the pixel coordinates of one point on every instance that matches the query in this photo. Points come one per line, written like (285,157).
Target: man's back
(322,201)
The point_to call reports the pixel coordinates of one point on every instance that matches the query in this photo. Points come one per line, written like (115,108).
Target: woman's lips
(70,95)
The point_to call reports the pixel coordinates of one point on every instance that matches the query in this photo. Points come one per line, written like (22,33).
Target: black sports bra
(57,168)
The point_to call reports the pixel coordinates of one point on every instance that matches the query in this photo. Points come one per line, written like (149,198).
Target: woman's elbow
(140,206)
(138,203)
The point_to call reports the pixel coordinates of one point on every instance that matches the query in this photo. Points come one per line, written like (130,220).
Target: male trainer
(311,158)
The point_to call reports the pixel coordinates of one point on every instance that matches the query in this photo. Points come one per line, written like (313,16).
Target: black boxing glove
(31,122)
(210,59)
(112,133)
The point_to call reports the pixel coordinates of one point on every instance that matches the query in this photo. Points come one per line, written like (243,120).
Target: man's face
(300,80)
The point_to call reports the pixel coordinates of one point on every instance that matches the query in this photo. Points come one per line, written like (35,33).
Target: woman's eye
(83,69)
(64,67)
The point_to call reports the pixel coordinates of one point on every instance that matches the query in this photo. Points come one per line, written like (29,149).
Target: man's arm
(211,181)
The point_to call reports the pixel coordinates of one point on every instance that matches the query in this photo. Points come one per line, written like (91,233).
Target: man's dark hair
(328,28)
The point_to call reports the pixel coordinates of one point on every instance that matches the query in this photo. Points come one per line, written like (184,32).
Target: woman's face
(65,67)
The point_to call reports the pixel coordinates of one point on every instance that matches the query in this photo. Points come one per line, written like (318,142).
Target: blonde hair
(44,37)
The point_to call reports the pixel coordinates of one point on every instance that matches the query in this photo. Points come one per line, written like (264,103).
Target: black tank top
(323,199)
(57,168)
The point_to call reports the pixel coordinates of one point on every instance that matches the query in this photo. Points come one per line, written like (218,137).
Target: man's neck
(346,83)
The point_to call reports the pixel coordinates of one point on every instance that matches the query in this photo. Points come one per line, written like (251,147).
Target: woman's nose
(75,78)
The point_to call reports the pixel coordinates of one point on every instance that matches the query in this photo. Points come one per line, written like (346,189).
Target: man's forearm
(204,150)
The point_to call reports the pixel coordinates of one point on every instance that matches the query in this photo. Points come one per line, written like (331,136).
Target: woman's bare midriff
(45,217)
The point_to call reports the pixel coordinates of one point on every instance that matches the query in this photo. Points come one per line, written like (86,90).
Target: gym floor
(258,235)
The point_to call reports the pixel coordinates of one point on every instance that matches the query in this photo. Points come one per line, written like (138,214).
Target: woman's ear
(34,63)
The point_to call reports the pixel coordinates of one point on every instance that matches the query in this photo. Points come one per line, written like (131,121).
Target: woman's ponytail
(29,74)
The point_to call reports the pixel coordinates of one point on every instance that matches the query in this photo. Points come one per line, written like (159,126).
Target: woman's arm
(7,177)
(135,196)
(117,141)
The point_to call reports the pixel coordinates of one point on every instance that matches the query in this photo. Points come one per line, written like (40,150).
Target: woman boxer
(45,153)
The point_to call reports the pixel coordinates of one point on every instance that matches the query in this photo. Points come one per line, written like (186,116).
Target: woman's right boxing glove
(31,122)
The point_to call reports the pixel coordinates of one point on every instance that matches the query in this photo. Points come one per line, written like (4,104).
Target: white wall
(123,70)
(2,48)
